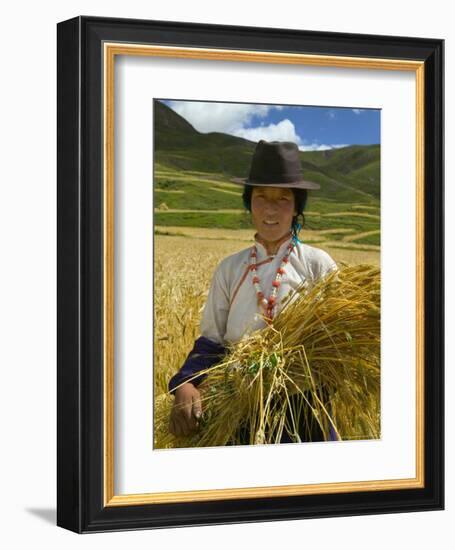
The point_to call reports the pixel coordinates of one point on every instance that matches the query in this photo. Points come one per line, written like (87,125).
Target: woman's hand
(186,411)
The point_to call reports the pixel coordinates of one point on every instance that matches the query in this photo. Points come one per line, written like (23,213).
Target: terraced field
(196,199)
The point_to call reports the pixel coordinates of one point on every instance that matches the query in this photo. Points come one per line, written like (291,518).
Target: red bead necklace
(268,304)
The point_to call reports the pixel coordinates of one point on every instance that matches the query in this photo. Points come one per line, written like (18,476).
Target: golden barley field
(185,259)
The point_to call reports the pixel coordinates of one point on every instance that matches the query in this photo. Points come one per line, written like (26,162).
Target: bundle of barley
(317,365)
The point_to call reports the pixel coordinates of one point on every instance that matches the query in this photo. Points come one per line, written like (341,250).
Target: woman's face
(272,209)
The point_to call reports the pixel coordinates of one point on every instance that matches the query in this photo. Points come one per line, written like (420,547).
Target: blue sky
(312,128)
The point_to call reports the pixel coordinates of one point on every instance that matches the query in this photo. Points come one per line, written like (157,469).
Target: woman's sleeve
(209,348)
(216,309)
(324,265)
(204,355)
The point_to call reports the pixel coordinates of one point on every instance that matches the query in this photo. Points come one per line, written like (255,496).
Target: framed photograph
(250,274)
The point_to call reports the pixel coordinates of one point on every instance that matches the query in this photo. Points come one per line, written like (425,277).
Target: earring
(298,227)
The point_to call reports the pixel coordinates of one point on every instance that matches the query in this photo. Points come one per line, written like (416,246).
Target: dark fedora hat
(276,164)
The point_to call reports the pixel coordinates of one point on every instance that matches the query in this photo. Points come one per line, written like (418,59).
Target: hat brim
(301,184)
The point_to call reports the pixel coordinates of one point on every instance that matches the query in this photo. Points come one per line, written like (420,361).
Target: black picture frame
(81,394)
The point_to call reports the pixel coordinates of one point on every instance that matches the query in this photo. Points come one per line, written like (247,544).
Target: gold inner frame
(110,50)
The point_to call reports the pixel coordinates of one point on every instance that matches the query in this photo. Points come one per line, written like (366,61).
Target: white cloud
(234,119)
(282,131)
(229,118)
(357,111)
(321,146)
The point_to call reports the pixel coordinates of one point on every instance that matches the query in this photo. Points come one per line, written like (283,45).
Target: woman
(248,288)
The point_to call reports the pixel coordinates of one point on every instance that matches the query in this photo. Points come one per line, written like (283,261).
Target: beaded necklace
(268,304)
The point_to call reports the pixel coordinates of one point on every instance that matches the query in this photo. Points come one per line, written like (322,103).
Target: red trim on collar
(285,239)
(248,268)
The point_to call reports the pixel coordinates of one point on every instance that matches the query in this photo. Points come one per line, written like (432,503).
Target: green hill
(193,171)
